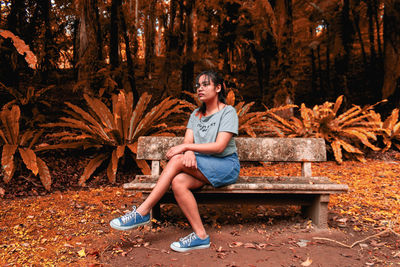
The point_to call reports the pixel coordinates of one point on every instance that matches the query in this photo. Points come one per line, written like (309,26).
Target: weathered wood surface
(264,185)
(249,149)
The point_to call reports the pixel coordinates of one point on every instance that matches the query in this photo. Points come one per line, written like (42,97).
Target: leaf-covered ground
(70,227)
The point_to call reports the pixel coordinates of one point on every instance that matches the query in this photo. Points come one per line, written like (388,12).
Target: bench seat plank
(261,185)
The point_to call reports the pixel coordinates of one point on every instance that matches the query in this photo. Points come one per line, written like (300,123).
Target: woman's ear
(218,88)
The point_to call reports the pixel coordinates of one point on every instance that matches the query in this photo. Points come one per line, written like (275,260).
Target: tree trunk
(328,63)
(391,33)
(170,44)
(75,49)
(131,67)
(285,93)
(114,34)
(260,68)
(313,72)
(16,18)
(371,33)
(269,52)
(356,22)
(188,65)
(149,36)
(87,51)
(378,28)
(321,78)
(45,65)
(98,33)
(342,61)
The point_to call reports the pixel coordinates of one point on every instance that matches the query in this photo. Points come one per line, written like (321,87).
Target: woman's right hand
(189,160)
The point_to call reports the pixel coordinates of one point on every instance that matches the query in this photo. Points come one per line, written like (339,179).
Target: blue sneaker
(130,220)
(190,242)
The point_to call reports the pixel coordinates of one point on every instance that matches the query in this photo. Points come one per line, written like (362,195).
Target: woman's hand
(175,150)
(189,160)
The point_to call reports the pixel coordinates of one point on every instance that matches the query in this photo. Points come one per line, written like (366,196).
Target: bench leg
(156,212)
(318,211)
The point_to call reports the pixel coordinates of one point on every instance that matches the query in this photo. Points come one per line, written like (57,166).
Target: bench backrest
(249,148)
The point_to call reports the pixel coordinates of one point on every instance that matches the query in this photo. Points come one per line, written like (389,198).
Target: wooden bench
(311,193)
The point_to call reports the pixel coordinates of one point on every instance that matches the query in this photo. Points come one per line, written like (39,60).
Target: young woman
(207,156)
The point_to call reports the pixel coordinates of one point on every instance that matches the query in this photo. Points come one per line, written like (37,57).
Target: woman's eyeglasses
(197,86)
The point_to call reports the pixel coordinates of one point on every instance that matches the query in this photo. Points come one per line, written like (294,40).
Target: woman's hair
(217,80)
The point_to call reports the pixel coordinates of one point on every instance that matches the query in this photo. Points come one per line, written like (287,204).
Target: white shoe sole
(124,228)
(179,249)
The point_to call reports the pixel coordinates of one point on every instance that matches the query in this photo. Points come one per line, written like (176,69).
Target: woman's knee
(176,161)
(179,183)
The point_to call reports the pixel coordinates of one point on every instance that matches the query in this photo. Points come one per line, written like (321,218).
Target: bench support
(314,207)
(156,212)
(306,169)
(318,211)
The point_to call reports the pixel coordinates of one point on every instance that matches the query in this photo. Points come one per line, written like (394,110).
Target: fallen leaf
(2,192)
(220,249)
(307,262)
(221,255)
(302,243)
(82,253)
(68,245)
(235,244)
(376,244)
(342,220)
(249,245)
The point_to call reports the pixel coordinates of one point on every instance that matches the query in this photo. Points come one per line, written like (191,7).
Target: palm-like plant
(391,130)
(15,141)
(113,131)
(345,131)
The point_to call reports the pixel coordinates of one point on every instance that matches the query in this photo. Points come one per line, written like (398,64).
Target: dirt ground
(70,227)
(252,244)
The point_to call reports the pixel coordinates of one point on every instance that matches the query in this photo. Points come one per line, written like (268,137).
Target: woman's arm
(216,147)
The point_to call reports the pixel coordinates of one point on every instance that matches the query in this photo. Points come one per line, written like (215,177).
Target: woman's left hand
(175,150)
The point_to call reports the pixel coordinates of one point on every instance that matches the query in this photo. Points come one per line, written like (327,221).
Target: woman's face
(206,89)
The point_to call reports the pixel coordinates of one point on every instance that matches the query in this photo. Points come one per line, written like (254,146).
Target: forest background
(124,66)
(81,80)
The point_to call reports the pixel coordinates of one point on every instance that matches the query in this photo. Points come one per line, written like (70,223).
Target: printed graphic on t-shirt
(204,128)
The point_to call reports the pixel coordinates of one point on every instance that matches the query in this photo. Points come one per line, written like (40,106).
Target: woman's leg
(173,168)
(182,185)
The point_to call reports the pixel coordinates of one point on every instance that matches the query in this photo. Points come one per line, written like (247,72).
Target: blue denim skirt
(220,171)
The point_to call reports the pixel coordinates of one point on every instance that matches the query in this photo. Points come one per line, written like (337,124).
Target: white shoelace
(188,239)
(129,215)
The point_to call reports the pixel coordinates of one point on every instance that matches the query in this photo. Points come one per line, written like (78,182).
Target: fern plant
(391,131)
(32,102)
(15,141)
(113,131)
(346,131)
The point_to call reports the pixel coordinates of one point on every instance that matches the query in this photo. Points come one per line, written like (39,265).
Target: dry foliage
(111,132)
(248,121)
(346,132)
(32,101)
(22,48)
(15,141)
(391,130)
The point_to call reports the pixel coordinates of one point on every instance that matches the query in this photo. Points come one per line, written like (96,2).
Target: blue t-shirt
(206,129)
